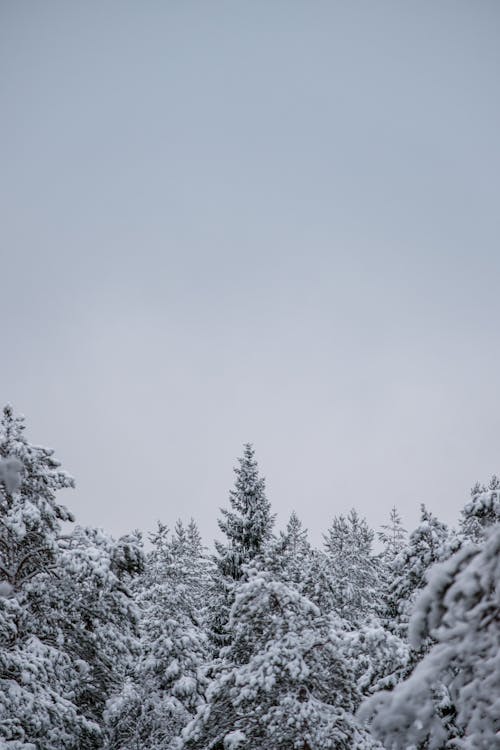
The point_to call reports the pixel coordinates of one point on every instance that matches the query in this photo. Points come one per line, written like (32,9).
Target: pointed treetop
(248,525)
(393,534)
(294,538)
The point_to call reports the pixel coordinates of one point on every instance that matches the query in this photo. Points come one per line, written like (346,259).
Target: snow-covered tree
(354,569)
(393,535)
(294,537)
(38,684)
(283,682)
(30,518)
(167,683)
(91,604)
(288,556)
(318,584)
(377,656)
(40,677)
(247,526)
(427,545)
(483,510)
(451,700)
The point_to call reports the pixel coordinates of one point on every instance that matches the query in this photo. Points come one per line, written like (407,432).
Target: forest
(154,642)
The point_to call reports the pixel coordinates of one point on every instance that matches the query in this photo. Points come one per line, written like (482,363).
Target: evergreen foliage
(427,545)
(40,678)
(68,621)
(247,526)
(483,510)
(353,567)
(283,682)
(393,535)
(460,610)
(166,684)
(270,644)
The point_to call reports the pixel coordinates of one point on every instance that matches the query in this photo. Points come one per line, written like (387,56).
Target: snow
(233,740)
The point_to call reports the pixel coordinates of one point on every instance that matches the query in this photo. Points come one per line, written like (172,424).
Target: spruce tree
(247,526)
(393,535)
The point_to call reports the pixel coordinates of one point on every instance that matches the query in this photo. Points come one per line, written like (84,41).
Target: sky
(274,222)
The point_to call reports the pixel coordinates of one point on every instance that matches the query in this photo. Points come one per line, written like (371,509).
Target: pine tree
(451,698)
(354,569)
(295,537)
(167,683)
(482,512)
(283,682)
(318,584)
(39,676)
(378,657)
(100,624)
(393,535)
(427,545)
(288,557)
(248,529)
(394,538)
(194,539)
(248,525)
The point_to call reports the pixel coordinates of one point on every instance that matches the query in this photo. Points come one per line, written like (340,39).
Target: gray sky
(270,221)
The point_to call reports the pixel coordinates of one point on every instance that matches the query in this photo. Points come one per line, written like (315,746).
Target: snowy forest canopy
(265,643)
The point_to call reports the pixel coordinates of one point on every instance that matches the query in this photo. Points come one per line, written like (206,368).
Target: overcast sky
(274,222)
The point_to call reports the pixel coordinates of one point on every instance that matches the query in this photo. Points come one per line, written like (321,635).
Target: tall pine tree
(247,526)
(40,678)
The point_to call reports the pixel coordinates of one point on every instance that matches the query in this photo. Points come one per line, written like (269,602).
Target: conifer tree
(288,557)
(482,512)
(247,526)
(393,535)
(451,698)
(40,678)
(295,537)
(378,657)
(284,680)
(100,624)
(318,583)
(427,545)
(354,569)
(167,684)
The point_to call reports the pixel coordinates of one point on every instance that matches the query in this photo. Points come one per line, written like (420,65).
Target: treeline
(265,644)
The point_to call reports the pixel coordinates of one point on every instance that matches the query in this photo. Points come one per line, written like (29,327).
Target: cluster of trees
(266,644)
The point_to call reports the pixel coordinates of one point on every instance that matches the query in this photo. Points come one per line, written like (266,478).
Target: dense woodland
(264,643)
